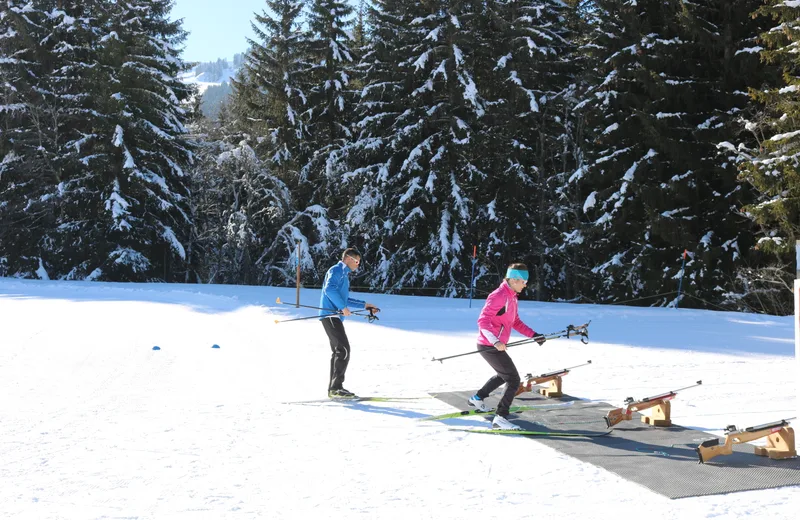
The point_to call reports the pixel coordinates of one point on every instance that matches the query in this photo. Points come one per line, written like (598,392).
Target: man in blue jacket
(336,298)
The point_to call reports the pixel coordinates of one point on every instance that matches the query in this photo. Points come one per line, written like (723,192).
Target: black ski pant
(340,351)
(506,373)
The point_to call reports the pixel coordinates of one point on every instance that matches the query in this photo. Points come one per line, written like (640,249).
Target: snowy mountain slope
(214,73)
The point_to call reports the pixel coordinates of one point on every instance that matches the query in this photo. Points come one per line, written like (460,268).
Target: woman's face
(517,284)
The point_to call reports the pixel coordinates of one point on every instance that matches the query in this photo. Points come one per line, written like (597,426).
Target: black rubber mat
(662,459)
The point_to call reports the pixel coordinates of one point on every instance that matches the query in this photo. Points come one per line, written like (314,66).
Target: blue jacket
(336,291)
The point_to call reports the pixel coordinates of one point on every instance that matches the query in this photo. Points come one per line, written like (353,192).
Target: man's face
(352,262)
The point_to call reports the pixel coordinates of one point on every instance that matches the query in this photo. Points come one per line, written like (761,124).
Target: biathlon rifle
(531,380)
(626,414)
(713,448)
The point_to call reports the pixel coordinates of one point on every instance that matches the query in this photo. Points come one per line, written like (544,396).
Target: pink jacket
(499,316)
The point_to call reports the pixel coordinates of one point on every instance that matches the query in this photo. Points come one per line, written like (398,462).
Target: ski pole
(371,317)
(278,300)
(305,306)
(680,281)
(513,344)
(472,279)
(308,318)
(570,331)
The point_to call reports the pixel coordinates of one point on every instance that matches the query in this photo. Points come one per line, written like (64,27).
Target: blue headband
(516,273)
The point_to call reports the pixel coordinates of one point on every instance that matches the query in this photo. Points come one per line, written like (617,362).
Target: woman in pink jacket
(498,317)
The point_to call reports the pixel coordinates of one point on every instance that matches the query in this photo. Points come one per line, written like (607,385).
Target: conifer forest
(638,152)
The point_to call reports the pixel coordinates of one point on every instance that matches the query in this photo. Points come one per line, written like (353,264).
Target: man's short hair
(351,251)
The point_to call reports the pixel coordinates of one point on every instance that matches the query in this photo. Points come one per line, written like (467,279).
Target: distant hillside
(213,82)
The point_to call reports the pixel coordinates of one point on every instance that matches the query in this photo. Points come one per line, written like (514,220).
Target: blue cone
(156,348)
(214,346)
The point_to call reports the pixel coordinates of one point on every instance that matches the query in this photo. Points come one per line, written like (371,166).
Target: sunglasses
(354,259)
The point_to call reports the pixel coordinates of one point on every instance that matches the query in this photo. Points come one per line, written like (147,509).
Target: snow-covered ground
(95,424)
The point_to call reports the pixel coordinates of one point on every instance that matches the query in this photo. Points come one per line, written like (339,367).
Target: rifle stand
(780,445)
(780,441)
(660,415)
(553,389)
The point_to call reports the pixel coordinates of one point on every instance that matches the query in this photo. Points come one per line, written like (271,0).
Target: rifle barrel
(782,422)
(671,393)
(565,370)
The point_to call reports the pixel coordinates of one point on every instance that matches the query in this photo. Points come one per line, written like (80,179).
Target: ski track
(97,425)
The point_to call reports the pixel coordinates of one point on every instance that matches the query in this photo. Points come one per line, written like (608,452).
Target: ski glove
(539,338)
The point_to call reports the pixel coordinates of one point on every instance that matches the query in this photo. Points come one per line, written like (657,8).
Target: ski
(531,432)
(380,399)
(513,409)
(359,399)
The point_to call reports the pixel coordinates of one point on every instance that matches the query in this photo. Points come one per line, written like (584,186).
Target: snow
(787,135)
(173,241)
(41,272)
(96,424)
(752,50)
(590,201)
(421,61)
(118,139)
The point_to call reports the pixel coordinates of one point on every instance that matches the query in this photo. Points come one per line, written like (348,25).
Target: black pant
(340,351)
(506,373)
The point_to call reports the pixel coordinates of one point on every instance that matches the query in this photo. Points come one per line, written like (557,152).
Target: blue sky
(217,29)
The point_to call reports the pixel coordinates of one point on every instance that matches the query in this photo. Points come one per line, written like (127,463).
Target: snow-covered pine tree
(527,76)
(273,105)
(768,158)
(360,28)
(25,178)
(380,101)
(139,145)
(419,113)
(359,47)
(271,94)
(657,185)
(47,48)
(238,207)
(575,279)
(329,114)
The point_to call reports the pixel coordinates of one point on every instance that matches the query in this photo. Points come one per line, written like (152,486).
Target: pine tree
(48,46)
(768,157)
(139,147)
(672,77)
(238,207)
(360,26)
(379,102)
(272,90)
(528,74)
(418,122)
(331,64)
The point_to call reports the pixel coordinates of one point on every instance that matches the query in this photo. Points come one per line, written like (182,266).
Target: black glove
(539,338)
